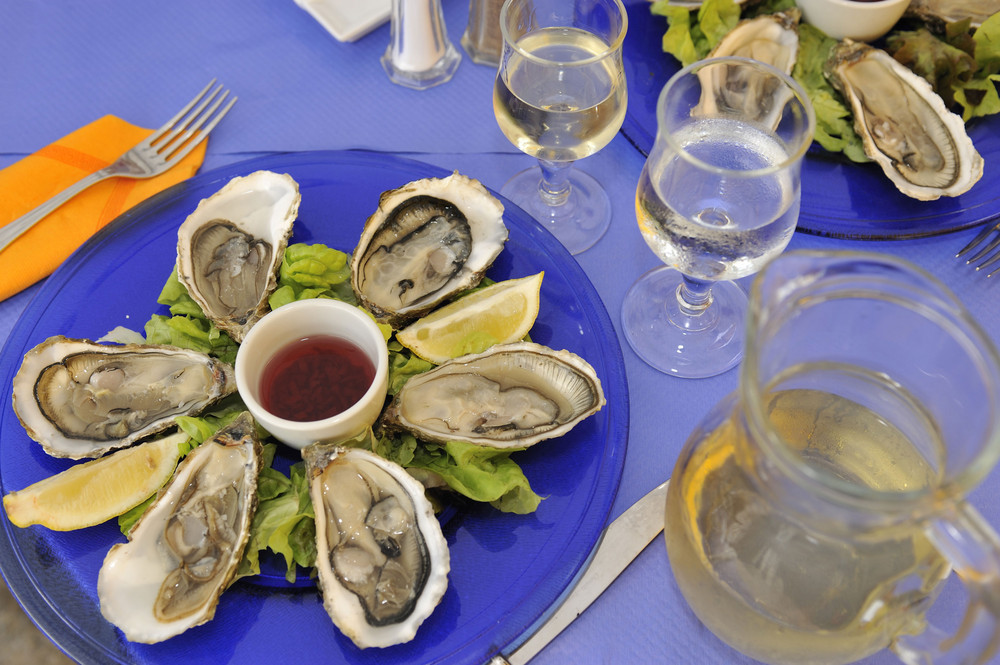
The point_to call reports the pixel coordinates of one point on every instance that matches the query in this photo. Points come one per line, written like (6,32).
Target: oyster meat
(381,559)
(509,396)
(427,241)
(229,250)
(81,399)
(184,551)
(904,125)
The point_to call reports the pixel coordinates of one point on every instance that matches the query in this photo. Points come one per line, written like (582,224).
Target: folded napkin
(27,184)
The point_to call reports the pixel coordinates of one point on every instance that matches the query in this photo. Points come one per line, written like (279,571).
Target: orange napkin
(28,183)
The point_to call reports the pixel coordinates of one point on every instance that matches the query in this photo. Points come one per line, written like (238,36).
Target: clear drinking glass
(560,96)
(717,198)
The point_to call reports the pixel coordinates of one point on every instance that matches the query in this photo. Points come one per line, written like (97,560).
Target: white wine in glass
(559,96)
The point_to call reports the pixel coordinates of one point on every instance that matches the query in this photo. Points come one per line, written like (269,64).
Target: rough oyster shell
(382,560)
(509,396)
(81,399)
(904,125)
(184,550)
(427,241)
(230,248)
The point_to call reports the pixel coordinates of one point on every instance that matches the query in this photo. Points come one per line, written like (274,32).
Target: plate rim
(81,645)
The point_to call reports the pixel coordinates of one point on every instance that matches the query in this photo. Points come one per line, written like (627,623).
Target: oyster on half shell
(381,559)
(81,399)
(184,551)
(770,38)
(950,11)
(427,241)
(230,248)
(904,125)
(509,396)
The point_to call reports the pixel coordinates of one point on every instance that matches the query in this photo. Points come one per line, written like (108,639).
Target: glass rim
(954,485)
(612,47)
(795,87)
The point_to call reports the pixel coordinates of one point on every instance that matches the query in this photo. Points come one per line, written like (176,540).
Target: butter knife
(620,543)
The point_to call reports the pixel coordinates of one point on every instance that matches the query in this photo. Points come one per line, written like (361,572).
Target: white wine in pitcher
(829,598)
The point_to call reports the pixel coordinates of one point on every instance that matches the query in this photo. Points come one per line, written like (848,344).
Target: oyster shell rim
(392,419)
(46,434)
(970,170)
(185,269)
(472,271)
(342,605)
(244,427)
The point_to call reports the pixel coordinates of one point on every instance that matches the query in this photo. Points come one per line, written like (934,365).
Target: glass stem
(554,187)
(694,310)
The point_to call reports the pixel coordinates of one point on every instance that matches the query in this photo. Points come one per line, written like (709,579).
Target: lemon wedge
(95,491)
(500,313)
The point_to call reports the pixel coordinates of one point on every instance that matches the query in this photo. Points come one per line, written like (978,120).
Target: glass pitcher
(813,516)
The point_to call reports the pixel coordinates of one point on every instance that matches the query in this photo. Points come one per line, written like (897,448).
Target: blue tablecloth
(66,64)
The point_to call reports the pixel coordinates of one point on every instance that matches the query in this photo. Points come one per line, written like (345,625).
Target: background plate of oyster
(490,600)
(839,198)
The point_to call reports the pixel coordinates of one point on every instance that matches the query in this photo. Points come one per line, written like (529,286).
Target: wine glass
(560,96)
(717,198)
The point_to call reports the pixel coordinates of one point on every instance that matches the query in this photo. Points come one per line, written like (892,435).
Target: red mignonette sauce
(315,378)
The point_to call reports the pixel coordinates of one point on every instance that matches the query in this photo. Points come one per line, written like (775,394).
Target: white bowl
(306,318)
(861,21)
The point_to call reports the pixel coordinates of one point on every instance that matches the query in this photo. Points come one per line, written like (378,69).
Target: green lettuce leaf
(946,67)
(479,473)
(284,522)
(690,36)
(187,327)
(403,364)
(834,121)
(191,332)
(313,271)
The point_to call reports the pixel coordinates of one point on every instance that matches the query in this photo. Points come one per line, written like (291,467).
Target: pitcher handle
(973,548)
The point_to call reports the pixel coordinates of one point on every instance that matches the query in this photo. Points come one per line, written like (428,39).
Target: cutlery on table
(992,227)
(157,153)
(620,543)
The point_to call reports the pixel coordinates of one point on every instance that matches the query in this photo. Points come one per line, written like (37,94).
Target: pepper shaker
(482,39)
(419,54)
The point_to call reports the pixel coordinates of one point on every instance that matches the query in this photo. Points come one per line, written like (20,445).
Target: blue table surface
(66,64)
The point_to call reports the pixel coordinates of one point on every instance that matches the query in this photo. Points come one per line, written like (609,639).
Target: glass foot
(441,72)
(690,347)
(579,222)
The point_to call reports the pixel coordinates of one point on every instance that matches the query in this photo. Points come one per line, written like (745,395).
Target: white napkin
(348,20)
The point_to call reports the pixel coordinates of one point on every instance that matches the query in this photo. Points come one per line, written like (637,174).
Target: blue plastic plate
(507,570)
(840,199)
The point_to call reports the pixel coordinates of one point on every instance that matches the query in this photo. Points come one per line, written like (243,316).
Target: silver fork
(992,227)
(156,154)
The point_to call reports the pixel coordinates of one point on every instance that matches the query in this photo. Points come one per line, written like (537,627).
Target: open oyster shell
(938,12)
(81,399)
(509,396)
(904,125)
(770,38)
(382,560)
(230,248)
(427,241)
(184,551)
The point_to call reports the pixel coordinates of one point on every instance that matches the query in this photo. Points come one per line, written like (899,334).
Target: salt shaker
(419,54)
(482,39)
